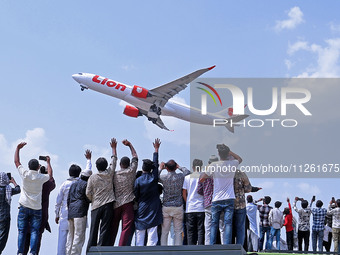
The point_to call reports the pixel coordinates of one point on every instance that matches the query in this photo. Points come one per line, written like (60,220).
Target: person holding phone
(30,208)
(6,193)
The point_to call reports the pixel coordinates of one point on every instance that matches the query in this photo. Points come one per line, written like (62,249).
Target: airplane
(155,103)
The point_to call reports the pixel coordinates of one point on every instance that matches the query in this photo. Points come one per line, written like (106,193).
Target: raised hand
(126,142)
(21,145)
(88,154)
(113,143)
(157,144)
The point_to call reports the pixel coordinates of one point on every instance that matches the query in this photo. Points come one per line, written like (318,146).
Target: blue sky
(150,43)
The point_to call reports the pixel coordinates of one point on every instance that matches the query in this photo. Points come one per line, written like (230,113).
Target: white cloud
(295,17)
(325,93)
(327,65)
(36,145)
(288,64)
(309,189)
(299,45)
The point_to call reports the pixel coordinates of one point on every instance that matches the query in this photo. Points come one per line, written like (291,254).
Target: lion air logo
(139,90)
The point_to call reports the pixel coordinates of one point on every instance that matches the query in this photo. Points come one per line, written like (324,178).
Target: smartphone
(313,198)
(9,176)
(44,158)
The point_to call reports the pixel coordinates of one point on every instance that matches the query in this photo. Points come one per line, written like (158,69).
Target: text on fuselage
(109,83)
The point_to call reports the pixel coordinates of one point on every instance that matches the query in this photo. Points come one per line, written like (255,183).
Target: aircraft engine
(131,111)
(139,92)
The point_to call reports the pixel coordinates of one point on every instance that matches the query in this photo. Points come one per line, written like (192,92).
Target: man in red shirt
(289,226)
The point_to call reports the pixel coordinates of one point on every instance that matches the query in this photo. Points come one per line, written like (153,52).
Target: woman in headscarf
(6,193)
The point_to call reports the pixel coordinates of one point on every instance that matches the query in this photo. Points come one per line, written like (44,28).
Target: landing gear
(153,120)
(156,109)
(82,87)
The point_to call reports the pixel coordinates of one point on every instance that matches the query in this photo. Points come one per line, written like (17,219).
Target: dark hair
(171,165)
(84,178)
(286,211)
(125,162)
(74,170)
(33,164)
(277,204)
(223,151)
(267,200)
(197,163)
(160,189)
(147,165)
(139,174)
(101,164)
(319,203)
(338,202)
(249,198)
(304,204)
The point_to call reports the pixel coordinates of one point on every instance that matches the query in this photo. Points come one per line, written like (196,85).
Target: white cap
(86,173)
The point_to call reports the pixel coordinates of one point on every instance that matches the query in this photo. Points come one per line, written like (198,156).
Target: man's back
(251,209)
(78,204)
(61,209)
(264,214)
(241,186)
(319,215)
(194,200)
(99,188)
(172,185)
(335,217)
(32,183)
(304,217)
(276,218)
(223,173)
(123,182)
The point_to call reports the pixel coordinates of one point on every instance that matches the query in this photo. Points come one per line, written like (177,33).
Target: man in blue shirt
(318,227)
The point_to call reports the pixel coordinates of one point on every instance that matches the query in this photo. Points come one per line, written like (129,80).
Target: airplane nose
(75,77)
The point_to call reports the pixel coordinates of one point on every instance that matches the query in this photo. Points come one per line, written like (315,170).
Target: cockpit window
(80,73)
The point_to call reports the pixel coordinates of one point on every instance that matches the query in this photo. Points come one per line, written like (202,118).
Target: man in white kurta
(61,210)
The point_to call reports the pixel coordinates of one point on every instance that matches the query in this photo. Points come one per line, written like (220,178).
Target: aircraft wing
(162,94)
(158,122)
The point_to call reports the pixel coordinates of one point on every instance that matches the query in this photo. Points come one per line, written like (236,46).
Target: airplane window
(80,73)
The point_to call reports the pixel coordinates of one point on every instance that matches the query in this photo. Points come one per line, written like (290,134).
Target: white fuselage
(123,92)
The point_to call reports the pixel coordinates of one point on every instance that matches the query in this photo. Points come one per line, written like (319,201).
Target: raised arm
(88,155)
(129,144)
(312,201)
(113,163)
(161,168)
(113,145)
(16,189)
(156,145)
(49,167)
(16,154)
(183,169)
(237,157)
(294,204)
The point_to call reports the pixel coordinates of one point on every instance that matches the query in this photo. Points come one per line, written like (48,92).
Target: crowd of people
(201,207)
